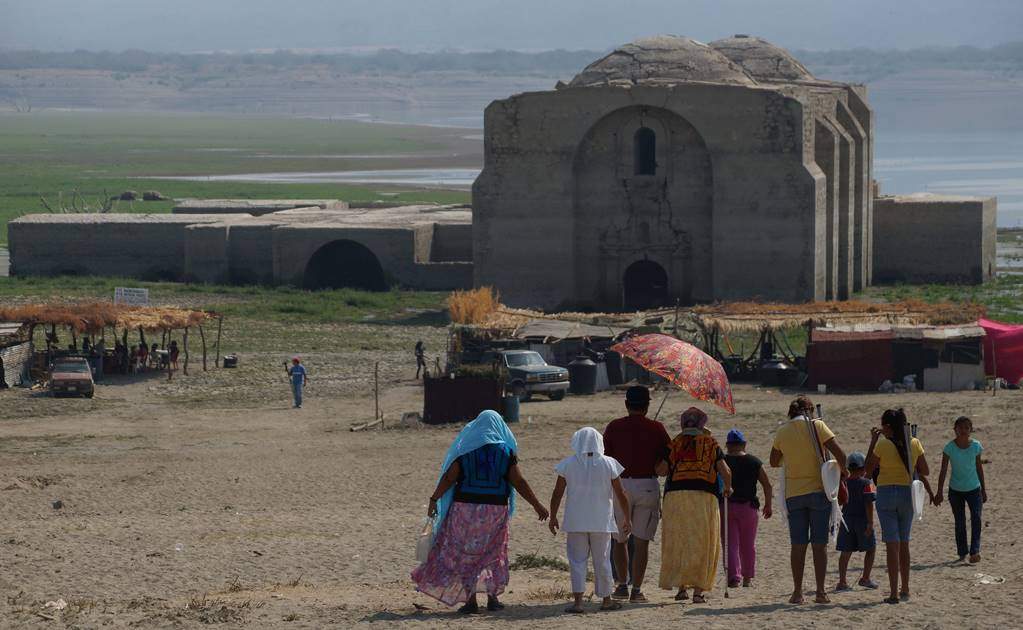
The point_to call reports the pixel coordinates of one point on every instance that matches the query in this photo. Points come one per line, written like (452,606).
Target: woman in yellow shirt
(890,454)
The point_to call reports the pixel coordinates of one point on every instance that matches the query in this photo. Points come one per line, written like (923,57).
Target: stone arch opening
(645,286)
(345,264)
(644,151)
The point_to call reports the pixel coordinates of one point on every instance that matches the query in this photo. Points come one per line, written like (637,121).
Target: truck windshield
(523,359)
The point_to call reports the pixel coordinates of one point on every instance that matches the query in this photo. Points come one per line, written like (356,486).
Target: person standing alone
(298,380)
(639,444)
(420,359)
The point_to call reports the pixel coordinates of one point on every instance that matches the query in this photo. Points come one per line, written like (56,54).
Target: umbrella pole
(664,400)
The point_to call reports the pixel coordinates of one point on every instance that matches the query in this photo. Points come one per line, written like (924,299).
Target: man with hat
(639,444)
(743,508)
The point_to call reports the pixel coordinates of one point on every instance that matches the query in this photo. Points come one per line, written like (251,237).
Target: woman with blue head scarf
(472,505)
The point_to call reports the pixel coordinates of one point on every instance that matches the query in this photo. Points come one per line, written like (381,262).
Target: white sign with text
(131,297)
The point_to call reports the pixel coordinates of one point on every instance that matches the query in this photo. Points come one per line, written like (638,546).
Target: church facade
(676,171)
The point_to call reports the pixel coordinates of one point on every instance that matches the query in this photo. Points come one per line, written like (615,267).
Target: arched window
(644,149)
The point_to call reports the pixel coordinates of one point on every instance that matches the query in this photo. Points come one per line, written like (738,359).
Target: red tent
(1003,350)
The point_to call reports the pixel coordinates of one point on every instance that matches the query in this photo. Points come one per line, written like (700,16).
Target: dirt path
(181,513)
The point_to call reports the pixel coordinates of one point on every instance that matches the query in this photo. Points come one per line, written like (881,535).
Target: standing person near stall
(420,358)
(298,378)
(639,444)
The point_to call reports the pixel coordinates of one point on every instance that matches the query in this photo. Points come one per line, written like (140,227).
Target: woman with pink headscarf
(690,545)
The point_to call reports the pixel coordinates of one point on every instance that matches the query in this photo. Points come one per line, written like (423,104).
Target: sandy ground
(179,514)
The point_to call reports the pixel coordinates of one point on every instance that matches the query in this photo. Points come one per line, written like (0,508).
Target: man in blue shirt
(298,380)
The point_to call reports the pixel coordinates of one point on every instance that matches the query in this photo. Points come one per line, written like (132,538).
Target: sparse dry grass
(548,593)
(537,561)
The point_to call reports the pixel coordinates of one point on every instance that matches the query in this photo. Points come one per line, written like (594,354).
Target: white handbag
(425,541)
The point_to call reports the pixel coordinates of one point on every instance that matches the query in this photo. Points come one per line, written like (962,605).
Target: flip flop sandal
(681,597)
(495,606)
(891,600)
(699,599)
(469,610)
(612,606)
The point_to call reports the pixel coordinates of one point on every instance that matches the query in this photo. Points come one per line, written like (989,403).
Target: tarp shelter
(941,358)
(1003,350)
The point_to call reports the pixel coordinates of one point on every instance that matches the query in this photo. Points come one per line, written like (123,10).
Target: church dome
(664,59)
(762,60)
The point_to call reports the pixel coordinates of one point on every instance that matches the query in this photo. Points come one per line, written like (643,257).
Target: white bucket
(822,388)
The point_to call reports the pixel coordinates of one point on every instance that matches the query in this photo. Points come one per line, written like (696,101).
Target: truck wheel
(557,395)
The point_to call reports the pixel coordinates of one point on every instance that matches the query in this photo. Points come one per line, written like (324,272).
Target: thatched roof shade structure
(752,317)
(91,318)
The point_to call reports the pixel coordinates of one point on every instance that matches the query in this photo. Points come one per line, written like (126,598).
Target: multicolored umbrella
(685,365)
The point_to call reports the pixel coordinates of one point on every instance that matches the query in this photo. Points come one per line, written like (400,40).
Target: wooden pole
(376,392)
(220,327)
(202,338)
(184,366)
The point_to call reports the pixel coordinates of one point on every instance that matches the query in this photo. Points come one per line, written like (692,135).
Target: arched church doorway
(645,286)
(344,263)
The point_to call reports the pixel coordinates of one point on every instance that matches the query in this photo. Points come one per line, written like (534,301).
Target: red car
(72,376)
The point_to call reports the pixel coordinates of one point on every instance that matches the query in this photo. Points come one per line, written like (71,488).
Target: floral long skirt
(469,555)
(690,539)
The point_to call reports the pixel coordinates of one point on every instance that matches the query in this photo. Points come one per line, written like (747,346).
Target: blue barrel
(511,408)
(582,374)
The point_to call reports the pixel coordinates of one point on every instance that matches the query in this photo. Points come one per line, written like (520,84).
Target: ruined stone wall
(250,252)
(121,245)
(927,238)
(254,207)
(451,243)
(206,253)
(531,231)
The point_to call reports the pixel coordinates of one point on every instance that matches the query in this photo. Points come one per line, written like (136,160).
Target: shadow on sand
(514,612)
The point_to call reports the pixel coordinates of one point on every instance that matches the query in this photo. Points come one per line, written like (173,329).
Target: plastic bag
(831,478)
(425,542)
(919,499)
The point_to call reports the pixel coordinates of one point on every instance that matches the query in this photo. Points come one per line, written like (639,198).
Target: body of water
(456,178)
(988,164)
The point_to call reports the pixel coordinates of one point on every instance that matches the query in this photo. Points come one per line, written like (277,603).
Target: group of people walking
(614,503)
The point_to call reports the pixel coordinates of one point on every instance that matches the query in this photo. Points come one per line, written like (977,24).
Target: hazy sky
(191,25)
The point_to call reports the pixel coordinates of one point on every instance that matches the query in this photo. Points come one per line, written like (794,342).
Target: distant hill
(861,65)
